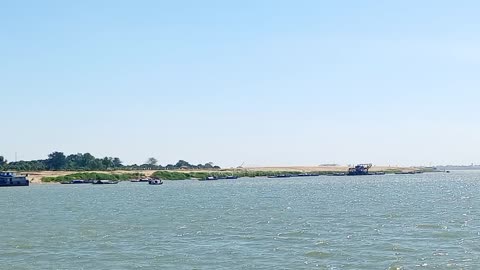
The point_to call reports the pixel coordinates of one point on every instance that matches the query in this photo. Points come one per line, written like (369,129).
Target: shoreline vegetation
(91,176)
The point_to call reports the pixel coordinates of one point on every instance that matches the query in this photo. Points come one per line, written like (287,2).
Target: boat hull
(155,182)
(18,184)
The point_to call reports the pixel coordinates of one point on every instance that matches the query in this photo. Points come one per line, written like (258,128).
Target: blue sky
(261,82)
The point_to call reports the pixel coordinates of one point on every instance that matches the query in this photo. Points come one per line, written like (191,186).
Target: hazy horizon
(262,82)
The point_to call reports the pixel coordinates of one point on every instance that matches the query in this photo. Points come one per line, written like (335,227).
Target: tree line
(88,162)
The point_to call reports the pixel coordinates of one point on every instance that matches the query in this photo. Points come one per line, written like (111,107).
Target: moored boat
(155,182)
(405,172)
(360,169)
(209,178)
(280,176)
(76,182)
(104,182)
(307,174)
(10,179)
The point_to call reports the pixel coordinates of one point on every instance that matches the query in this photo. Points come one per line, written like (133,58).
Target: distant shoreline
(37,176)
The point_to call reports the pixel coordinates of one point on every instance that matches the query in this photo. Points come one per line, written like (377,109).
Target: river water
(426,221)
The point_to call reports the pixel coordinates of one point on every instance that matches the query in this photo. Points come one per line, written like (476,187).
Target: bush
(93,176)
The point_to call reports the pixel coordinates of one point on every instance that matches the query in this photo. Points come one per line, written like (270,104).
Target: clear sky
(262,82)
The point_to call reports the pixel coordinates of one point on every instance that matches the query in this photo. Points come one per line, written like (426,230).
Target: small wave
(395,267)
(317,254)
(399,248)
(297,234)
(391,216)
(448,234)
(430,226)
(440,253)
(24,246)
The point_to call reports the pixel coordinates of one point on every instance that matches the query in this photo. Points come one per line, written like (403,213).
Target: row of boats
(375,173)
(94,182)
(212,177)
(339,174)
(409,172)
(152,181)
(111,182)
(351,174)
(293,175)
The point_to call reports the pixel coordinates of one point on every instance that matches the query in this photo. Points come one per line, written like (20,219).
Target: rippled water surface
(428,221)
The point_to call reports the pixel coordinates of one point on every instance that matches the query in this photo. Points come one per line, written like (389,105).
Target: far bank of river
(122,175)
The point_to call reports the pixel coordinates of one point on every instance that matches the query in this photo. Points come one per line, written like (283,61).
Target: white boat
(155,182)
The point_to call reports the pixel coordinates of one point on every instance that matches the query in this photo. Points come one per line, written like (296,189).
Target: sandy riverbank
(36,177)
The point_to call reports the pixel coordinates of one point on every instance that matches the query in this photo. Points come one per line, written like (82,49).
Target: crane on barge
(360,169)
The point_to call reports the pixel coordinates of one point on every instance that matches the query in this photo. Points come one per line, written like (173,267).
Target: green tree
(74,161)
(3,162)
(208,165)
(117,163)
(107,162)
(152,161)
(88,161)
(56,161)
(96,164)
(183,163)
